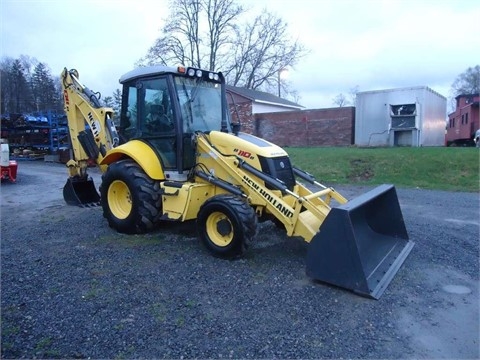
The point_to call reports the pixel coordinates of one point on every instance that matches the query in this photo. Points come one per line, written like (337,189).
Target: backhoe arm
(92,134)
(91,129)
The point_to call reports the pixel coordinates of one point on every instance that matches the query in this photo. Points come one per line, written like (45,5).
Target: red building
(464,121)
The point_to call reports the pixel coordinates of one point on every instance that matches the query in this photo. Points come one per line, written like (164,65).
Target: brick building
(245,103)
(315,127)
(285,123)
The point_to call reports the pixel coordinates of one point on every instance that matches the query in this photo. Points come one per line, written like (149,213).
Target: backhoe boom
(92,133)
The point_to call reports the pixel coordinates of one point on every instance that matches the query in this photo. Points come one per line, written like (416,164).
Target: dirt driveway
(74,288)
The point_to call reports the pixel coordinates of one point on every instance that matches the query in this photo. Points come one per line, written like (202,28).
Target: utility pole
(279,78)
(279,71)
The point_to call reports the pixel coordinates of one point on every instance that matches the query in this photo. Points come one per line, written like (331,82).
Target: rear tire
(130,199)
(226,225)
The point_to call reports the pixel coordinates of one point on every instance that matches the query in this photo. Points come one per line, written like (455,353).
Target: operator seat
(158,121)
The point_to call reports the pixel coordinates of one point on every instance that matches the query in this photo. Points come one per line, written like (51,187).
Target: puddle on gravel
(443,321)
(463,222)
(457,289)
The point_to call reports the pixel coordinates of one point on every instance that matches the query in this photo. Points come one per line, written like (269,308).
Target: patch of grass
(94,291)
(158,310)
(43,343)
(10,330)
(190,304)
(43,349)
(180,321)
(440,168)
(132,240)
(127,354)
(47,218)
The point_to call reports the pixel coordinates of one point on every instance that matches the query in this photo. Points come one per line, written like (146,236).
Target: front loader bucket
(361,244)
(81,192)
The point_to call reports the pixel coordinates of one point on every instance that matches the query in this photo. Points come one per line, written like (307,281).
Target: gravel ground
(71,287)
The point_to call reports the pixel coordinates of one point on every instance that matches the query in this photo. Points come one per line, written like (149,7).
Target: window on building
(466,118)
(403,116)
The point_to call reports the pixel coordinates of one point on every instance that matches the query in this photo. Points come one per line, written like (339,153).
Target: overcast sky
(372,44)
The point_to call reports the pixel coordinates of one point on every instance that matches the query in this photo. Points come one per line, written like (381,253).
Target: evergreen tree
(117,105)
(44,92)
(27,86)
(21,94)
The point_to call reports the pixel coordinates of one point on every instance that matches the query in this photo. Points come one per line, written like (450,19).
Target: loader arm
(92,133)
(301,211)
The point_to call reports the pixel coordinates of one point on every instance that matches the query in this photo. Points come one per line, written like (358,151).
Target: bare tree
(295,96)
(262,50)
(467,82)
(220,15)
(353,94)
(182,40)
(340,100)
(179,42)
(250,55)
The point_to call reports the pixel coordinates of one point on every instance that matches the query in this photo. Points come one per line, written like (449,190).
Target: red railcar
(464,121)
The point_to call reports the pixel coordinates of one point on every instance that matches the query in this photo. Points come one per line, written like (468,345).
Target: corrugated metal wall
(373,118)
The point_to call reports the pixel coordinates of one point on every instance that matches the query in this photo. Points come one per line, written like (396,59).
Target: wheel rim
(219,229)
(119,199)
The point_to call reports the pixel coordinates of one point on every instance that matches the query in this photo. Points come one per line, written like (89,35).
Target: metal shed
(414,116)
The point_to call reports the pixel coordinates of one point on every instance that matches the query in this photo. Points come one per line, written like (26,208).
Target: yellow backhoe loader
(178,156)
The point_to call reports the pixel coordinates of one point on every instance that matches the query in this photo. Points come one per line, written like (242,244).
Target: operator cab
(164,106)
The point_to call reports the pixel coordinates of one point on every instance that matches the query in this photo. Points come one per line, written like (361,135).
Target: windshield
(200,104)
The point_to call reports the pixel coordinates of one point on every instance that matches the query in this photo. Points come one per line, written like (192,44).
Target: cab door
(148,115)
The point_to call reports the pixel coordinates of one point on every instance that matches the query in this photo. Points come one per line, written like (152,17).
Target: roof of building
(262,97)
(409,88)
(467,95)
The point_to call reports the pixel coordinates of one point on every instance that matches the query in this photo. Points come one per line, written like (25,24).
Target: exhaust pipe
(361,244)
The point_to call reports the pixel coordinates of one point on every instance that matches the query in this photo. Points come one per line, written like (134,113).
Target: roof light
(198,73)
(210,76)
(191,72)
(216,77)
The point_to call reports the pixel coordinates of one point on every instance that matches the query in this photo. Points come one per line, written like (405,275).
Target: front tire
(226,224)
(130,199)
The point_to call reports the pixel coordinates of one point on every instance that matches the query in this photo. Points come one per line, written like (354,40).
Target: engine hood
(244,145)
